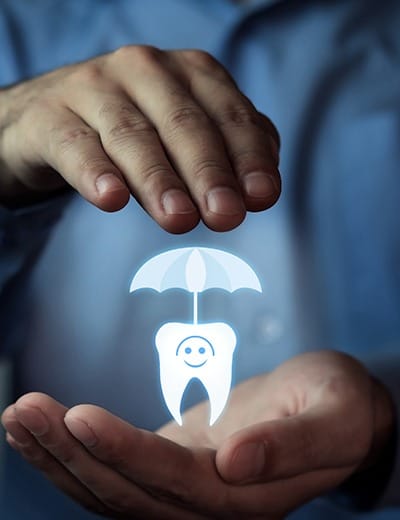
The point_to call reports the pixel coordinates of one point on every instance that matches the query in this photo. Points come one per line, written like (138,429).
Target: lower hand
(169,127)
(286,437)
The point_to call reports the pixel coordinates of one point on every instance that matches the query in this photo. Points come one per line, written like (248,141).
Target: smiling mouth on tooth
(196,366)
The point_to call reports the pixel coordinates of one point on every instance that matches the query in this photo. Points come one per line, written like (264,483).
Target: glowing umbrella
(195,269)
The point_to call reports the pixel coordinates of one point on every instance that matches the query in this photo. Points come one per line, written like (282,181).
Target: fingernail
(12,442)
(19,434)
(260,185)
(224,201)
(248,462)
(108,182)
(177,202)
(33,419)
(81,431)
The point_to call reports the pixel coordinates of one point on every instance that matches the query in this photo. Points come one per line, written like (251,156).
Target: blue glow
(203,351)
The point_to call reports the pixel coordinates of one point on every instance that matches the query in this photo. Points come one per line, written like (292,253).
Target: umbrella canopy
(195,269)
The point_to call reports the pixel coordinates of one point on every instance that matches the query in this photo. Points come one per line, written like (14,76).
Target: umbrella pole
(195,307)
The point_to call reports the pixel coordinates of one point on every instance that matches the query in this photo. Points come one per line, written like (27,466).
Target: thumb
(295,445)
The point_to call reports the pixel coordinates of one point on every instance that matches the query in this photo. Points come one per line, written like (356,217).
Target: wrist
(14,194)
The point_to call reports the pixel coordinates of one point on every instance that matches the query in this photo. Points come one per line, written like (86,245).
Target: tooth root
(173,389)
(173,379)
(218,384)
(218,403)
(218,377)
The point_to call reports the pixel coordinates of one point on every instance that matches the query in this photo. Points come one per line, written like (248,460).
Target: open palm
(285,437)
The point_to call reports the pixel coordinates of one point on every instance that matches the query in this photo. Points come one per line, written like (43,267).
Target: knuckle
(124,52)
(32,112)
(155,178)
(110,108)
(65,138)
(240,116)
(247,160)
(128,126)
(207,167)
(91,167)
(88,73)
(153,172)
(185,116)
(142,54)
(242,158)
(206,63)
(202,59)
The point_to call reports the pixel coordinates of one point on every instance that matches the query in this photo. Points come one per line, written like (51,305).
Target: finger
(251,140)
(256,499)
(147,458)
(133,144)
(192,141)
(19,434)
(288,447)
(74,150)
(117,444)
(21,440)
(277,498)
(44,418)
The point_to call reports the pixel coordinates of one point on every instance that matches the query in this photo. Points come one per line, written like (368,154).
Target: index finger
(53,445)
(171,470)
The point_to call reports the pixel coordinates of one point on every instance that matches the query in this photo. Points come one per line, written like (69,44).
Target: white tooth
(202,351)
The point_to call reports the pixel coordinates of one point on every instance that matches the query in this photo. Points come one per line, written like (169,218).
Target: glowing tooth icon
(202,352)
(195,350)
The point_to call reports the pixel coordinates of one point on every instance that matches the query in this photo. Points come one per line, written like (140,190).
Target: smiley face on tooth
(195,351)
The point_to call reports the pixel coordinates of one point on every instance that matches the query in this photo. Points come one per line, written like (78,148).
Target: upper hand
(285,438)
(169,127)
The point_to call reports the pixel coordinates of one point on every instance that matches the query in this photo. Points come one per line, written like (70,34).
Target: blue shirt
(328,75)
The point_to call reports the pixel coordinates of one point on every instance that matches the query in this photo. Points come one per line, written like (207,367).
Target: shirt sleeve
(379,486)
(22,235)
(387,370)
